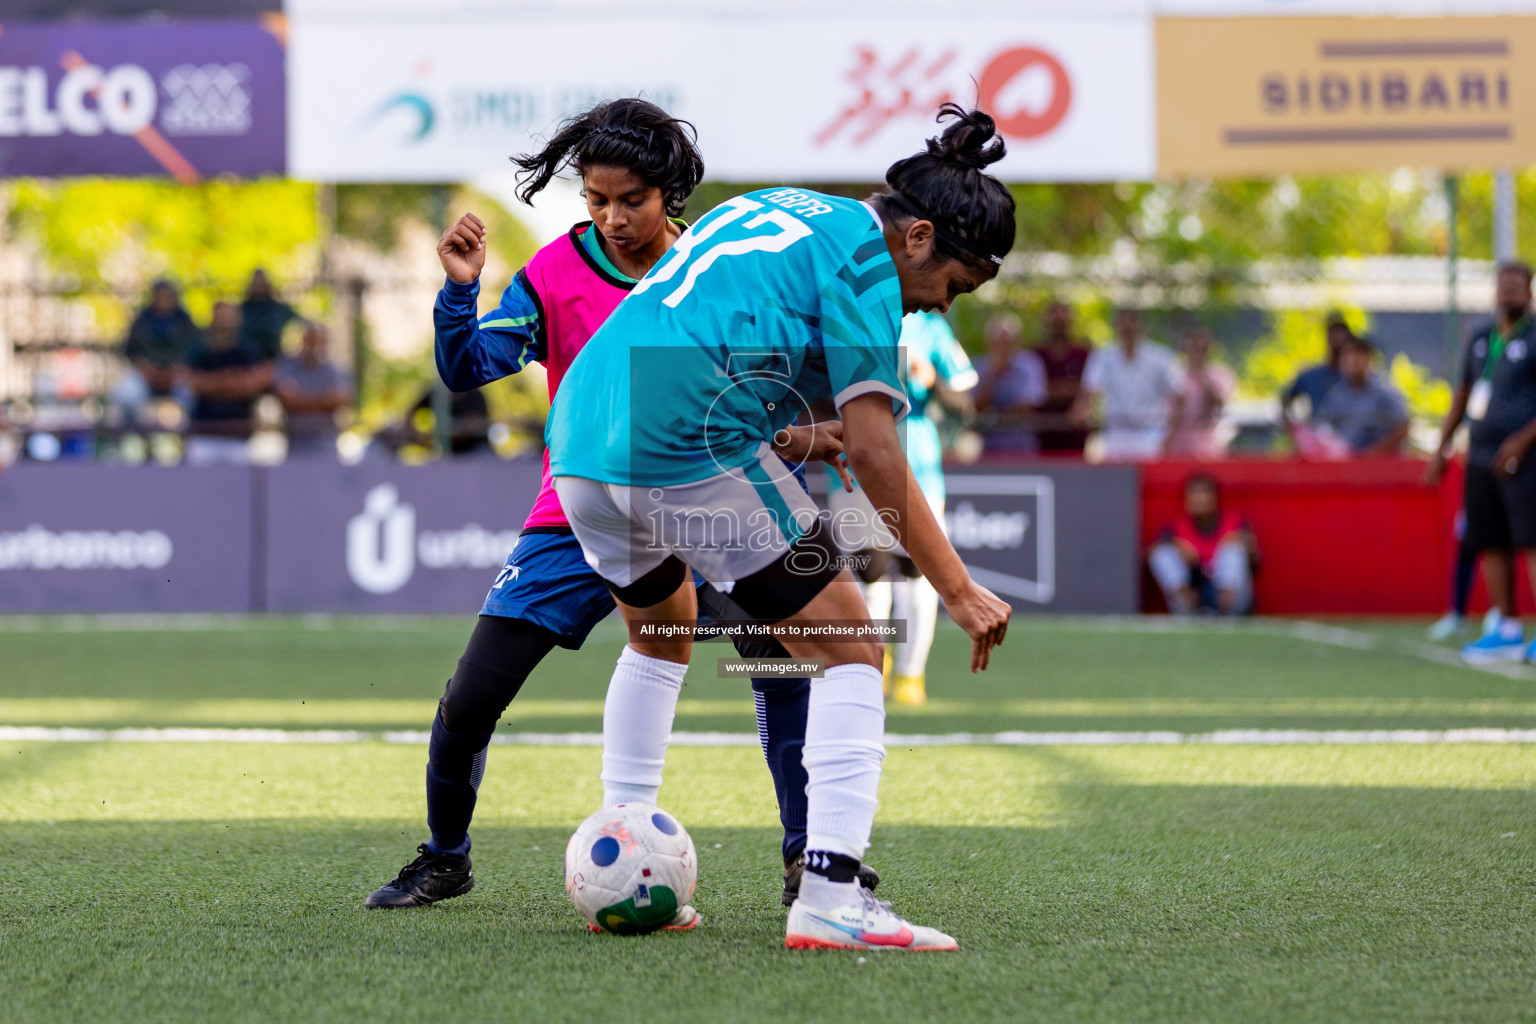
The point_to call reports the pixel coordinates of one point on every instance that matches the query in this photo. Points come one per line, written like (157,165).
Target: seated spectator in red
(1195,411)
(226,379)
(312,389)
(1362,412)
(1011,389)
(1065,357)
(1205,557)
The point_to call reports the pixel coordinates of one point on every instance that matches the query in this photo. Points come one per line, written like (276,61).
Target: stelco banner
(184,98)
(1073,99)
(1267,95)
(389,538)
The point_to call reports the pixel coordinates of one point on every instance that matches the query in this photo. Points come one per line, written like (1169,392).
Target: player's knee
(474,700)
(854,652)
(674,650)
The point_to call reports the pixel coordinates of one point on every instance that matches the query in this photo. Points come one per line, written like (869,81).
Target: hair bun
(971,141)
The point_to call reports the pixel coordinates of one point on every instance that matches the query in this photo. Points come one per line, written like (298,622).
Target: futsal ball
(629,868)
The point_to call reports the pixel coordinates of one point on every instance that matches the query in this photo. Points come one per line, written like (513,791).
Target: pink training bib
(575,296)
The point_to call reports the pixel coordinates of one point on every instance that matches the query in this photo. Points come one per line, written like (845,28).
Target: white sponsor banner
(1313,8)
(827,101)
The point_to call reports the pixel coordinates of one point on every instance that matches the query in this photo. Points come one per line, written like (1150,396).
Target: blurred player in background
(937,368)
(1497,397)
(638,166)
(663,455)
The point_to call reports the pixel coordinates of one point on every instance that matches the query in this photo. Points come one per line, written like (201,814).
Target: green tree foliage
(102,235)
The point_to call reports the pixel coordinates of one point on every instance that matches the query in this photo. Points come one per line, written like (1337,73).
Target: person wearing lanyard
(1497,396)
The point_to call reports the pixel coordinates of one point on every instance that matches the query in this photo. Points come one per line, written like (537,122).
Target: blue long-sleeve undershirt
(473,350)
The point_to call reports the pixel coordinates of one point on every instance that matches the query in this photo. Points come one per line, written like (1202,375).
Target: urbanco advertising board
(125,539)
(381,537)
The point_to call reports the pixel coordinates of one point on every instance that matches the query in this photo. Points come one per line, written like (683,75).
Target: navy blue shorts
(547,582)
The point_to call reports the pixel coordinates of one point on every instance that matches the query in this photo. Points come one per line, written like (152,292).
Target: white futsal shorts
(725,527)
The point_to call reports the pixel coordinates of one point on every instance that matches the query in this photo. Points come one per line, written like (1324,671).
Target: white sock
(844,745)
(821,892)
(877,598)
(922,613)
(637,725)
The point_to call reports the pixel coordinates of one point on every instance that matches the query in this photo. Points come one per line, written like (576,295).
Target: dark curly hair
(971,211)
(630,133)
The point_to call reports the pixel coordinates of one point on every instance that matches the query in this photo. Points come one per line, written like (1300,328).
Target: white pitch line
(1223,737)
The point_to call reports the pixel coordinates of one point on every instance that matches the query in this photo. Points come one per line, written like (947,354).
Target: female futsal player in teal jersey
(661,452)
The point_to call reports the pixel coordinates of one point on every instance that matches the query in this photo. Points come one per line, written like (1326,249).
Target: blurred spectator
(160,338)
(1012,387)
(1196,407)
(312,389)
(469,424)
(226,379)
(1205,557)
(263,317)
(1065,358)
(1362,411)
(1135,379)
(1316,381)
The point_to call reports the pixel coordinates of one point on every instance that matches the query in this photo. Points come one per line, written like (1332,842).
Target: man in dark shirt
(226,379)
(1065,358)
(1316,381)
(263,317)
(1497,396)
(160,338)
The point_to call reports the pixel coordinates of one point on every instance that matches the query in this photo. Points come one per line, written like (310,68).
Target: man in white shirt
(1134,380)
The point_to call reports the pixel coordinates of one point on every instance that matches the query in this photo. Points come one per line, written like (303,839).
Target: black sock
(834,867)
(455,764)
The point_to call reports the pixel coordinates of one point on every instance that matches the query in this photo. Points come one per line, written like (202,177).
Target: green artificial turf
(213,882)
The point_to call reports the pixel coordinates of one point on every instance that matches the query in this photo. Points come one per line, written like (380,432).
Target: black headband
(644,136)
(908,206)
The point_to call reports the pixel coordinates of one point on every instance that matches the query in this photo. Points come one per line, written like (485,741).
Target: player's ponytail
(971,211)
(630,133)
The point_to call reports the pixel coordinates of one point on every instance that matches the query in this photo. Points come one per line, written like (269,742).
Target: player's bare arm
(874,450)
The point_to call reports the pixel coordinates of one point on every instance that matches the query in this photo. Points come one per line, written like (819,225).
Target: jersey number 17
(694,251)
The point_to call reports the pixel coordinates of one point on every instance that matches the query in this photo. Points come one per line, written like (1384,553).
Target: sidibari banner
(1260,96)
(186,99)
(396,101)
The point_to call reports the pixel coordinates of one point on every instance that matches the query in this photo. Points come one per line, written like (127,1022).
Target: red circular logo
(1007,66)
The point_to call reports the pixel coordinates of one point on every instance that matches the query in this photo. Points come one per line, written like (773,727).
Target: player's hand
(984,617)
(820,442)
(462,249)
(1434,472)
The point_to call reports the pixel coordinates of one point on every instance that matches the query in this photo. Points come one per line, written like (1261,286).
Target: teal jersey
(927,339)
(774,300)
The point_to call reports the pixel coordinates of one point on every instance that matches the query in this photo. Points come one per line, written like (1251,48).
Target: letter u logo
(381,542)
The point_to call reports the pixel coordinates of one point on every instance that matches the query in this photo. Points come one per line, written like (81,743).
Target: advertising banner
(1262,96)
(125,539)
(1050,538)
(184,98)
(390,538)
(399,101)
